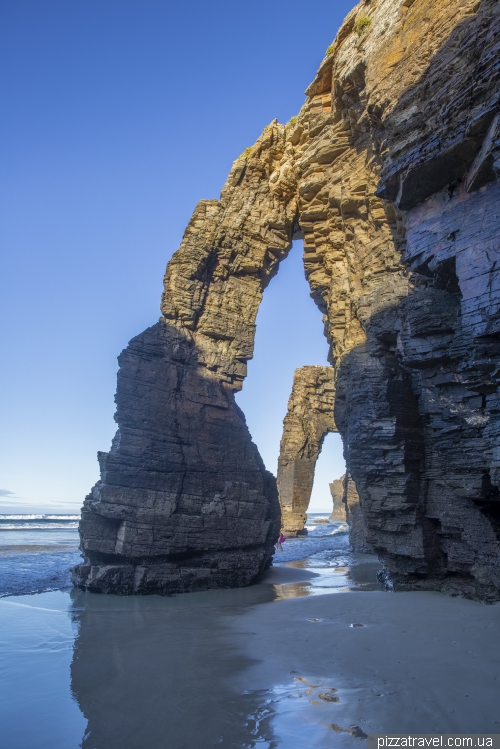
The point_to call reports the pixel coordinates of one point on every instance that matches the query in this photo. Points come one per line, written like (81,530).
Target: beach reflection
(154,672)
(293,590)
(333,572)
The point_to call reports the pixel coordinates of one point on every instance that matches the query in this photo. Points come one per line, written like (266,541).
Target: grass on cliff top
(362,24)
(246,153)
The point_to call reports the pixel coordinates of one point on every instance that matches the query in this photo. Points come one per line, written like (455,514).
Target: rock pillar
(308,420)
(184,501)
(337,492)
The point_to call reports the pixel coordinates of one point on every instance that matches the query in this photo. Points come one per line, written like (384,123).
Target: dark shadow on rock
(417,407)
(184,501)
(440,123)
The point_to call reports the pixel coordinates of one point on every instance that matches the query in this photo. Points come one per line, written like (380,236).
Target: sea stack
(184,502)
(390,174)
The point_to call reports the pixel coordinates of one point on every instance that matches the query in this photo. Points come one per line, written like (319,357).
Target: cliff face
(308,420)
(397,176)
(390,174)
(355,517)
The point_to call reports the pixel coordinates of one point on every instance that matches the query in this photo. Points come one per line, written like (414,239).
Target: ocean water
(120,672)
(37,552)
(322,536)
(326,552)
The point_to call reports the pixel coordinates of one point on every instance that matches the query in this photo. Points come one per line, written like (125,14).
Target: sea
(37,552)
(118,672)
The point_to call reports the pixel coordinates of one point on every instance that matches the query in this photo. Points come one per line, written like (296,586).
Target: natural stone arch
(308,420)
(396,191)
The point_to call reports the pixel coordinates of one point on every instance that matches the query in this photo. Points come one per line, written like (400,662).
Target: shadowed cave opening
(289,335)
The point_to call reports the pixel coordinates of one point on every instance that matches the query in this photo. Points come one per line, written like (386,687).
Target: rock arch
(309,418)
(391,170)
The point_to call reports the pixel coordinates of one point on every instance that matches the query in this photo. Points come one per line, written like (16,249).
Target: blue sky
(118,116)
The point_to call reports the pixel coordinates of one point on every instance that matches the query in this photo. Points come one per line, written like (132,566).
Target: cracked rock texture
(184,501)
(390,175)
(337,492)
(355,517)
(397,167)
(307,422)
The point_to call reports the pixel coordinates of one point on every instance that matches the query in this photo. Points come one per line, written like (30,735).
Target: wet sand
(416,662)
(254,667)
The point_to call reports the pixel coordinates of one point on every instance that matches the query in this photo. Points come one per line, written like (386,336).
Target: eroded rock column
(308,420)
(337,492)
(184,501)
(390,172)
(397,161)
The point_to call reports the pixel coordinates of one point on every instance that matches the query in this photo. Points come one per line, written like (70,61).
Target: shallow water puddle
(333,572)
(302,713)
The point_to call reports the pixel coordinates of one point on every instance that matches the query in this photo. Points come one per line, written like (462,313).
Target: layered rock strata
(355,517)
(184,501)
(337,492)
(347,508)
(308,420)
(390,174)
(398,178)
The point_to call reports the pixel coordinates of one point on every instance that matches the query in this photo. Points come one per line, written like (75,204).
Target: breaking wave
(322,537)
(38,522)
(39,517)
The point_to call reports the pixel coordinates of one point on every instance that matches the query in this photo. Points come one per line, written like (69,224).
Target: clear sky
(118,116)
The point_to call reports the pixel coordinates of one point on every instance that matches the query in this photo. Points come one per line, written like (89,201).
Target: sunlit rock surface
(390,174)
(396,163)
(337,492)
(308,420)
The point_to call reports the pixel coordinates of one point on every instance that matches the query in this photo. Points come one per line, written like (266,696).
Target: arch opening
(327,493)
(310,417)
(289,335)
(290,340)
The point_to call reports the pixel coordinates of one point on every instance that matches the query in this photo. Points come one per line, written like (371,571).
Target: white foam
(27,518)
(40,517)
(36,526)
(320,538)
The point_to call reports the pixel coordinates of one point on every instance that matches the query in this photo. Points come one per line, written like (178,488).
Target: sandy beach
(276,664)
(416,662)
(250,495)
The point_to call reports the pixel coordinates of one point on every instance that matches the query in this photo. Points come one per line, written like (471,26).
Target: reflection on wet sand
(151,671)
(214,669)
(293,590)
(334,572)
